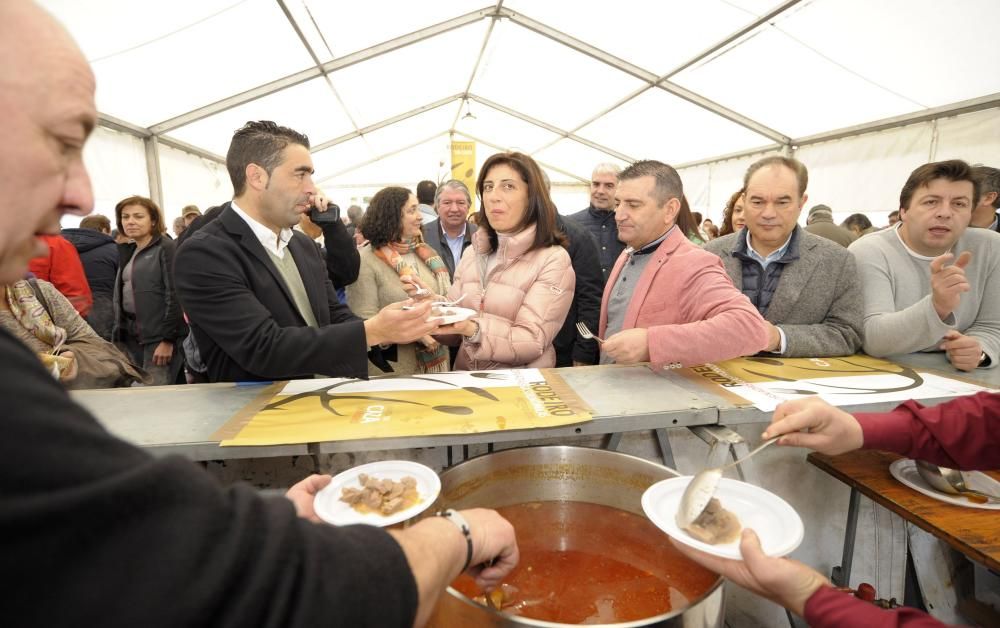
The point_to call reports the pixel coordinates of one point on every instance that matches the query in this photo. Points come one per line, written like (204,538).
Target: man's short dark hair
(989,181)
(425,192)
(668,182)
(97,222)
(258,143)
(950,170)
(796,166)
(894,214)
(354,213)
(859,221)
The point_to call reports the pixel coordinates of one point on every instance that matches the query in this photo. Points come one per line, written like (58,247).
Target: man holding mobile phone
(257,294)
(336,245)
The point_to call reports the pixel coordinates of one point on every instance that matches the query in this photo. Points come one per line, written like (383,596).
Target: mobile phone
(329,217)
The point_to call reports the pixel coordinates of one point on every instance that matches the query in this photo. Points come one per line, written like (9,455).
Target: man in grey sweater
(932,284)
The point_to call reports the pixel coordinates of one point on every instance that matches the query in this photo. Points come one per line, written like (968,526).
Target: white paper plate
(329,508)
(905,471)
(775,522)
(453,314)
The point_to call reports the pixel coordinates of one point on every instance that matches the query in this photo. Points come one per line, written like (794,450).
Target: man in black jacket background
(257,293)
(99,255)
(599,217)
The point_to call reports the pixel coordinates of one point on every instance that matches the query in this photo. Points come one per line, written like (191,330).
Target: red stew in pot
(586,563)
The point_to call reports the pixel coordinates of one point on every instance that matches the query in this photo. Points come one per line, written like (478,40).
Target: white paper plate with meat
(451,314)
(331,508)
(776,523)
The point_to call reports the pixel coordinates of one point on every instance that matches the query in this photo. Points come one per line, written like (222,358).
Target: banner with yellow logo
(765,382)
(392,406)
(463,167)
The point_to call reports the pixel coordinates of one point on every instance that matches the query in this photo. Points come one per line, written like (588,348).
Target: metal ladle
(950,481)
(702,486)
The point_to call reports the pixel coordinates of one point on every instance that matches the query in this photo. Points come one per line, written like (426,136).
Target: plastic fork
(586,333)
(448,303)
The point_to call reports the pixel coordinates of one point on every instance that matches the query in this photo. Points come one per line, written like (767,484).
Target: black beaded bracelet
(462,525)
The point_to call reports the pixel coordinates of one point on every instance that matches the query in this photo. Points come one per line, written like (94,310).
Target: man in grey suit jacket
(452,232)
(805,286)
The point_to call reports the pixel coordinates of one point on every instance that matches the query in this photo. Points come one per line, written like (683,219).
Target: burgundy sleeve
(963,433)
(829,608)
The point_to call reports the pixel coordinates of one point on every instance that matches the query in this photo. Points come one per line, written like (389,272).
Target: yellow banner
(310,411)
(765,382)
(463,166)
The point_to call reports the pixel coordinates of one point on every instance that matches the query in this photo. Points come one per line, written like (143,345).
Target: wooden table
(973,532)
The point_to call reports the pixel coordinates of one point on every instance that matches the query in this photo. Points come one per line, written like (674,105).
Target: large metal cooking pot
(582,474)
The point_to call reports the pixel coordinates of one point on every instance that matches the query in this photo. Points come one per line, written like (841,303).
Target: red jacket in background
(64,270)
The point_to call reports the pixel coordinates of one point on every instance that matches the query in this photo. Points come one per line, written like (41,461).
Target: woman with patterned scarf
(396,251)
(44,319)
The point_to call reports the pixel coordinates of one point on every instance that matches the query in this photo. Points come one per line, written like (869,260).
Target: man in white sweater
(930,283)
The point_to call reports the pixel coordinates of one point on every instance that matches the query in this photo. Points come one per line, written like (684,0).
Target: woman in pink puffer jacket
(516,275)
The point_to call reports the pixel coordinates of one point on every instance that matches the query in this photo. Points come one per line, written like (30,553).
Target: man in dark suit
(257,293)
(572,349)
(452,232)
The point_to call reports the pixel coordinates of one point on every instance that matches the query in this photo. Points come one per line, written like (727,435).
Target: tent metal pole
(383,156)
(760,150)
(115,124)
(550,128)
(957,108)
(331,66)
(507,148)
(153,170)
(643,75)
(387,122)
(479,60)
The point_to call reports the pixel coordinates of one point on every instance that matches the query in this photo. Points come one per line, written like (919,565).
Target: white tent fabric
(382,87)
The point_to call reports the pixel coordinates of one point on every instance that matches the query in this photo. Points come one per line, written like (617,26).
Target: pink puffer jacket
(522,302)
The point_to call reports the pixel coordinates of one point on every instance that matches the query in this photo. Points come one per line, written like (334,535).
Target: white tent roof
(380,87)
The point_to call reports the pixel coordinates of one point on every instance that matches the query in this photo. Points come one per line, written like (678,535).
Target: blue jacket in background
(99,255)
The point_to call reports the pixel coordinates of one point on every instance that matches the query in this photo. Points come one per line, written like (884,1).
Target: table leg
(841,575)
(614,441)
(665,450)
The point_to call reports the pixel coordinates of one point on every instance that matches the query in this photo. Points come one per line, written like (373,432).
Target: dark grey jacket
(603,227)
(99,255)
(433,237)
(817,302)
(157,311)
(586,307)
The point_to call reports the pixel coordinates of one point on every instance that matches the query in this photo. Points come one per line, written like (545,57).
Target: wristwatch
(984,360)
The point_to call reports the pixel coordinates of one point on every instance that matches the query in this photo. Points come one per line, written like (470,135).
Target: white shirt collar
(774,255)
(908,249)
(268,239)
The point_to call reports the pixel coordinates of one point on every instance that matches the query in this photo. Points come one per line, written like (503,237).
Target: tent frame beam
(387,122)
(115,124)
(644,75)
(378,158)
(331,66)
(479,60)
(548,127)
(507,148)
(945,111)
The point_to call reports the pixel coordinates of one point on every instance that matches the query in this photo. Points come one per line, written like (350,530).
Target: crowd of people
(265,287)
